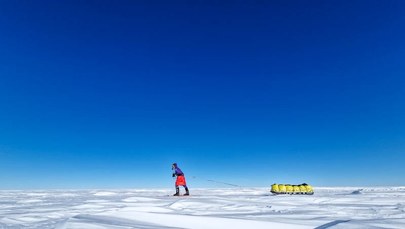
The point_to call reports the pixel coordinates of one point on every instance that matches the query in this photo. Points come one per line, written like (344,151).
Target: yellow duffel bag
(274,188)
(289,189)
(296,189)
(282,188)
(310,191)
(303,189)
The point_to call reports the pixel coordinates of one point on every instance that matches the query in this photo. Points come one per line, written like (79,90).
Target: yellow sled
(302,189)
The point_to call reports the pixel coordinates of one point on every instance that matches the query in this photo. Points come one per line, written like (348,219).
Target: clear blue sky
(108,94)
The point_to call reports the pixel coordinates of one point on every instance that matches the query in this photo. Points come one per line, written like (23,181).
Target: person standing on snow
(180,181)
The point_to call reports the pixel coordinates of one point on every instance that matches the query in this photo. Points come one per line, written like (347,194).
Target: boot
(187,192)
(177,192)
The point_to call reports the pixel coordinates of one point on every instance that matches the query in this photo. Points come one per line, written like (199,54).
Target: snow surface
(349,208)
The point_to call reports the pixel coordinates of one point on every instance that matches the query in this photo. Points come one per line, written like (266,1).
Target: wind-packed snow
(348,208)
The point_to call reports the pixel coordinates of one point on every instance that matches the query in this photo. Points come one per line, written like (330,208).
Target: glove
(173,175)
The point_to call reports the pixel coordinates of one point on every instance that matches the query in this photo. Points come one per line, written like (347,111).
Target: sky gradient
(108,94)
